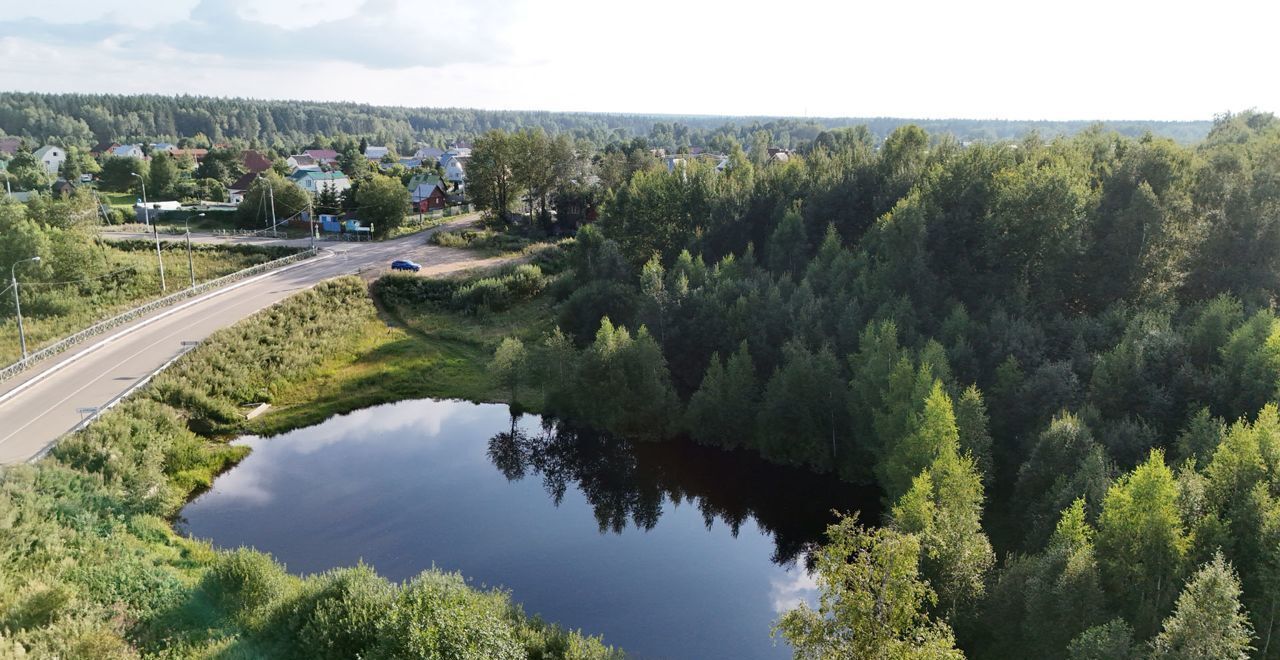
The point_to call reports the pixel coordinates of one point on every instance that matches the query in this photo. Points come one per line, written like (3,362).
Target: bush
(341,615)
(246,584)
(437,616)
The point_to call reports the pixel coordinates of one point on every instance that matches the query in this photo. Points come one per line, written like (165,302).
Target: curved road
(40,405)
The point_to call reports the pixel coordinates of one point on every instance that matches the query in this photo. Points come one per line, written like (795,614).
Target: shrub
(246,584)
(437,616)
(341,615)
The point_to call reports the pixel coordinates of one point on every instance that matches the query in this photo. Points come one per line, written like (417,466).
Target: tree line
(1057,359)
(85,119)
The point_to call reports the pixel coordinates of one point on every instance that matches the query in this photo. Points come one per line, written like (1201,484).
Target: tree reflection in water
(627,483)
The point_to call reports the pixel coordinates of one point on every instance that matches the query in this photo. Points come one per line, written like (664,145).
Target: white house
(314,181)
(127,151)
(428,154)
(455,170)
(455,152)
(236,191)
(376,153)
(52,157)
(152,210)
(302,162)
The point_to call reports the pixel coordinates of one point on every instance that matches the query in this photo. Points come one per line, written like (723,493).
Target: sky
(982,59)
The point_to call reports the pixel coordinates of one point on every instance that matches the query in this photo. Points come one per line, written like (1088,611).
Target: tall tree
(1141,542)
(492,173)
(1209,621)
(382,203)
(872,602)
(943,509)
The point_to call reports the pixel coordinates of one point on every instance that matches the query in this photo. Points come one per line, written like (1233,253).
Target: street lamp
(146,212)
(17,302)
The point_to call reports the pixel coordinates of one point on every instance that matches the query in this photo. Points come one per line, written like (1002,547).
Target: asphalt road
(39,406)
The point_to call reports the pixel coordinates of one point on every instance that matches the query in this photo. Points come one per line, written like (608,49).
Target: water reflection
(627,483)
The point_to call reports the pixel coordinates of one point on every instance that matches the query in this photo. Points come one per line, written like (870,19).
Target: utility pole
(272,192)
(191,267)
(17,302)
(146,210)
(160,260)
(311,217)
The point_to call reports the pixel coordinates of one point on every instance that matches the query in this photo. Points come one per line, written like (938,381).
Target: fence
(137,312)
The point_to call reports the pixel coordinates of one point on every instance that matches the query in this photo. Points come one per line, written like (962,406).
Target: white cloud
(916,58)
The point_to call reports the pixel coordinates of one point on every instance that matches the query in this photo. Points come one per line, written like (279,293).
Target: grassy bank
(90,568)
(122,276)
(410,349)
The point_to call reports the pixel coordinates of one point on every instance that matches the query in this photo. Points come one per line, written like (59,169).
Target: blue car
(405,264)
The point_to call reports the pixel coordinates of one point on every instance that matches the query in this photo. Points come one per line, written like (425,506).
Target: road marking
(104,372)
(58,366)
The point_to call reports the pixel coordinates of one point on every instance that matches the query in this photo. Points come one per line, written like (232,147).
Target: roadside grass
(120,199)
(126,276)
(408,352)
(415,223)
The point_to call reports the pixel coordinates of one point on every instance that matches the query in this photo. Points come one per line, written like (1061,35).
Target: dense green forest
(82,120)
(1059,360)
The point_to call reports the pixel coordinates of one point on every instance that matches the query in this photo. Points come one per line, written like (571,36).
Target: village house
(302,162)
(51,157)
(236,191)
(324,157)
(197,155)
(10,145)
(428,154)
(426,193)
(255,161)
(376,153)
(313,181)
(455,170)
(127,151)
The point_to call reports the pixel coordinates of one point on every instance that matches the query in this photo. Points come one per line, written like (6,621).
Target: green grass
(408,352)
(132,278)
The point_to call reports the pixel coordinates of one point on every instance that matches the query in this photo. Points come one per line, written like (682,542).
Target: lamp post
(146,211)
(17,302)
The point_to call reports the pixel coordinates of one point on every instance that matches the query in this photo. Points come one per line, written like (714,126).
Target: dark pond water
(669,550)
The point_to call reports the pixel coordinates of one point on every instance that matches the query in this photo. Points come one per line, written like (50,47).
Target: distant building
(313,181)
(376,153)
(455,170)
(302,162)
(62,188)
(322,156)
(127,151)
(10,145)
(255,161)
(779,155)
(153,210)
(426,192)
(52,157)
(429,154)
(163,146)
(236,191)
(196,155)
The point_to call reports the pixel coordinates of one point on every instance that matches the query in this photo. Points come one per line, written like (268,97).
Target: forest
(1057,359)
(82,120)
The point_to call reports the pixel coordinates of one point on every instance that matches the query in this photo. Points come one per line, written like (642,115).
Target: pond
(668,550)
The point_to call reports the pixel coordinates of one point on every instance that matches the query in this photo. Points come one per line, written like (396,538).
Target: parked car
(405,264)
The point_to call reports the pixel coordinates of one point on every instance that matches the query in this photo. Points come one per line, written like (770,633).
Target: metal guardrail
(137,312)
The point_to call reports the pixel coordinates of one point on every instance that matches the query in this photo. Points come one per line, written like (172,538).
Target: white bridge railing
(137,312)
